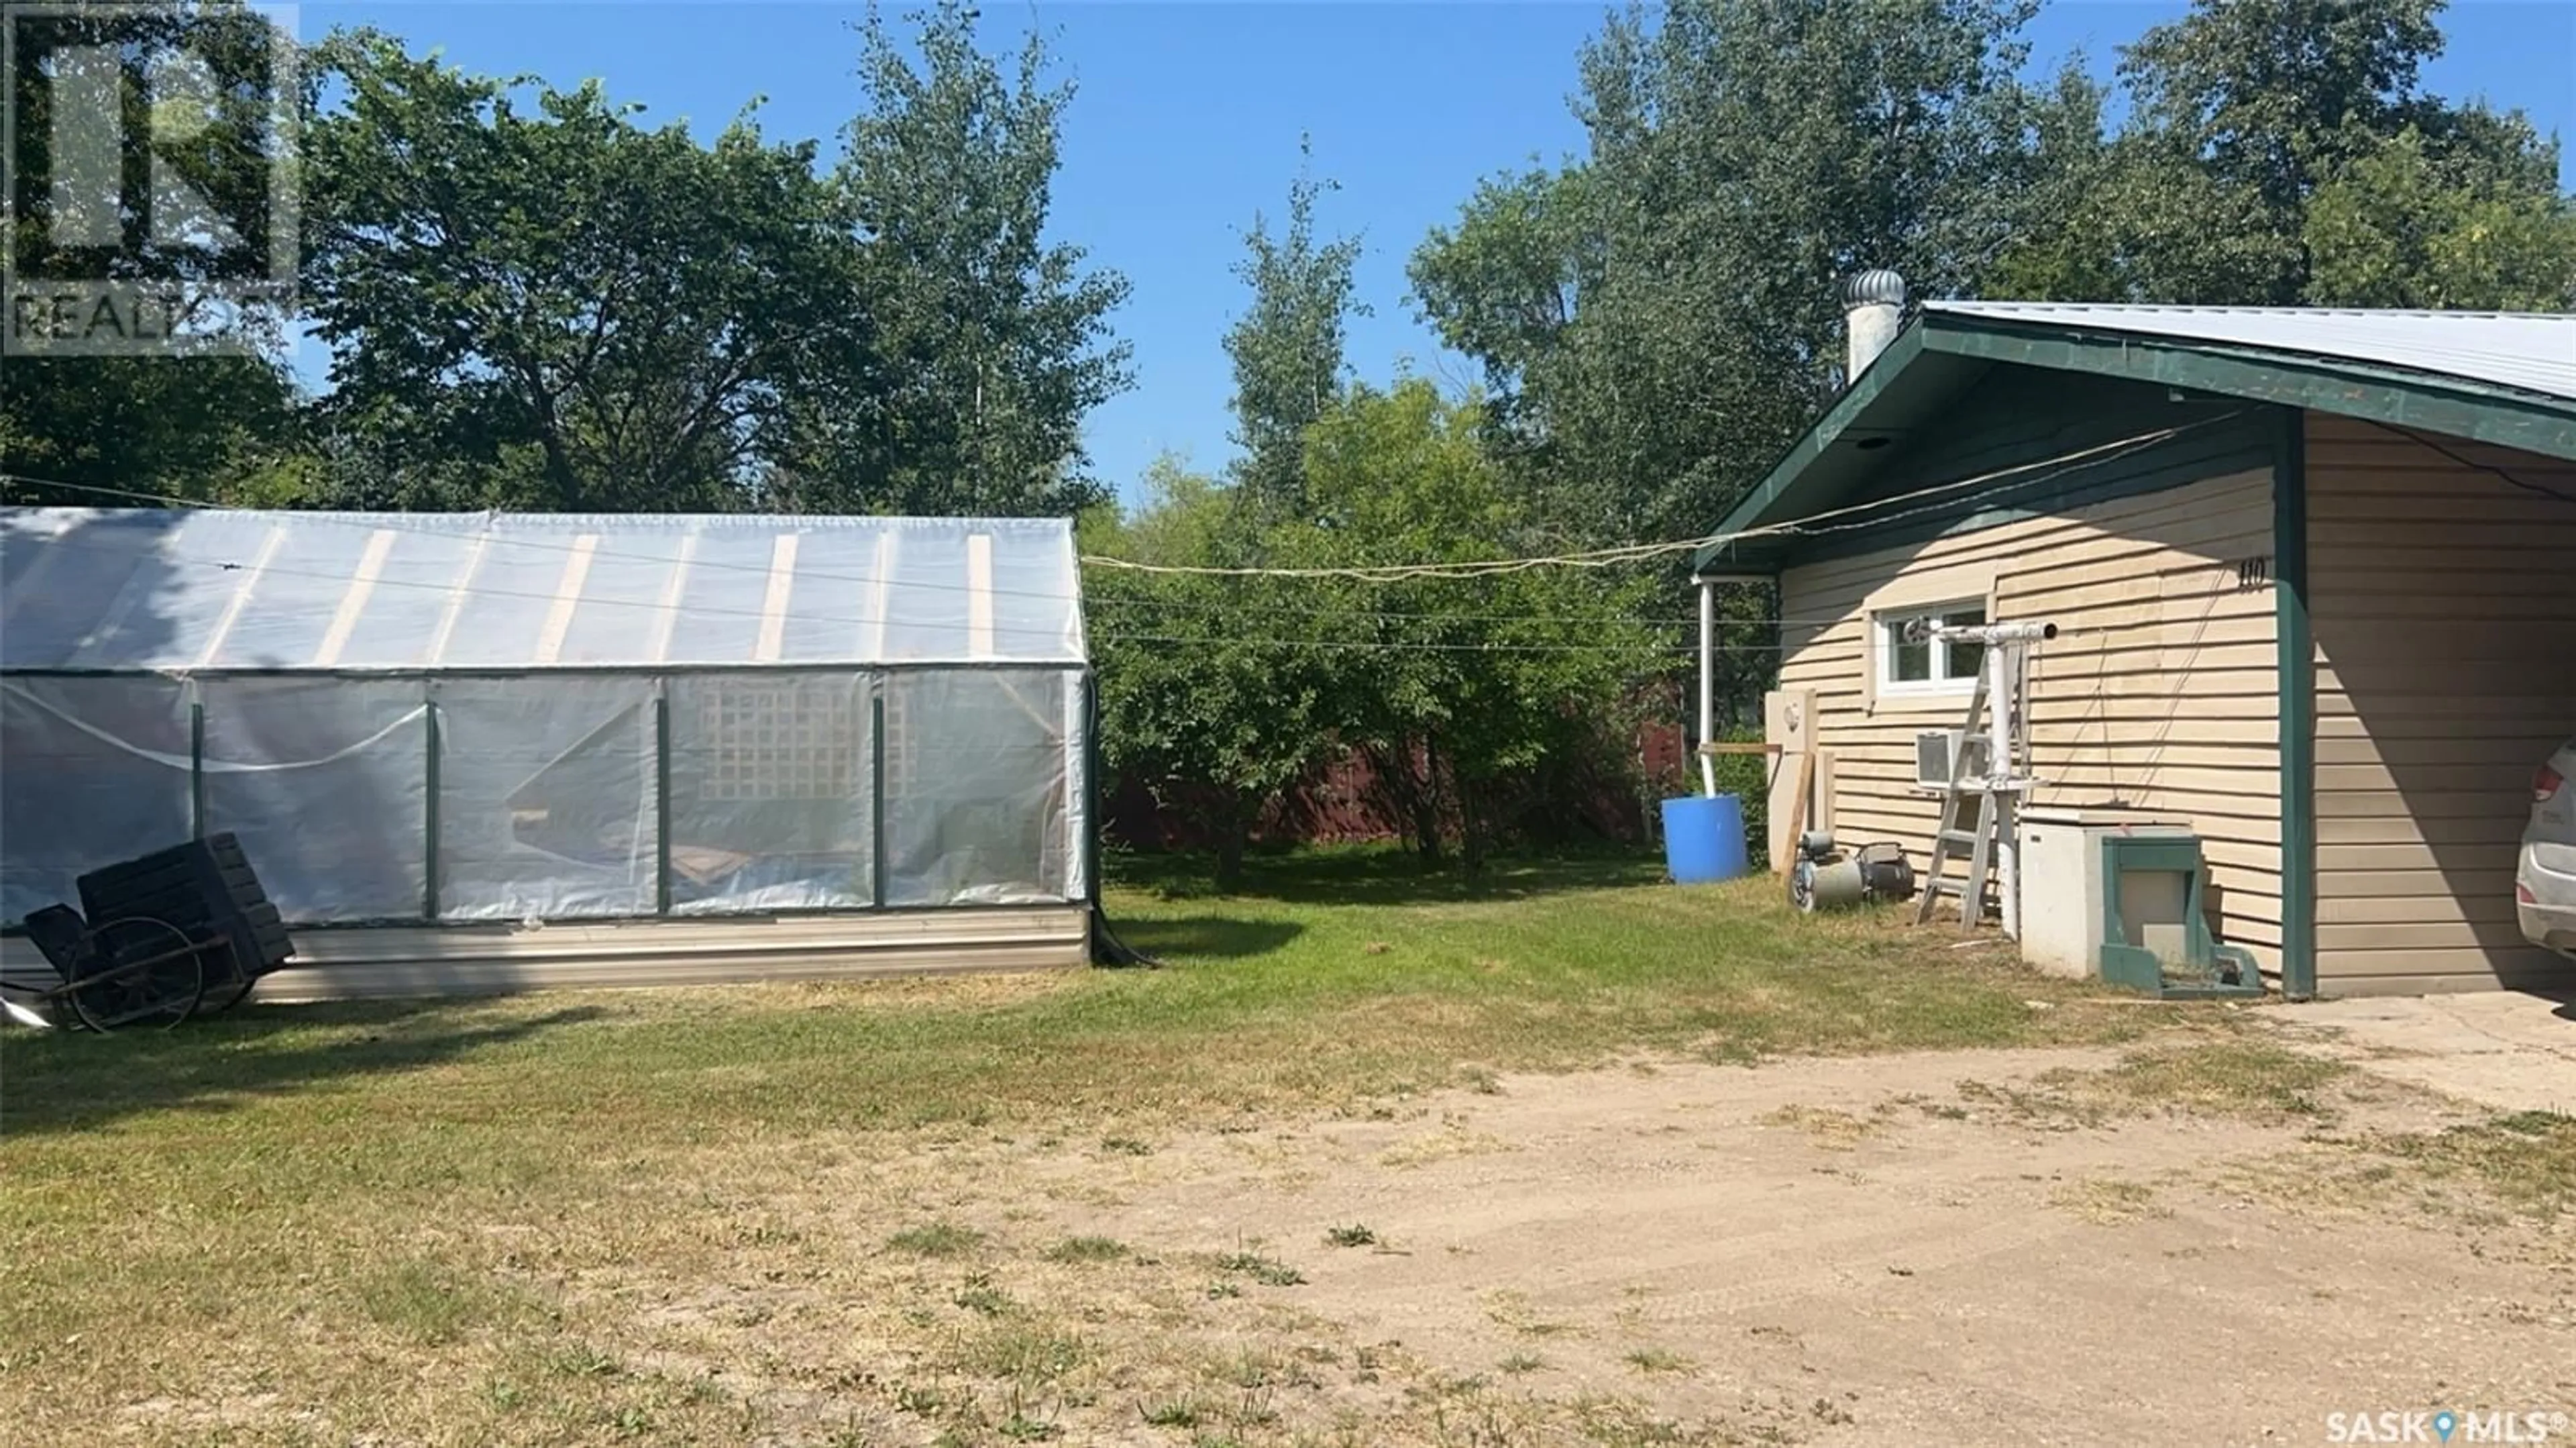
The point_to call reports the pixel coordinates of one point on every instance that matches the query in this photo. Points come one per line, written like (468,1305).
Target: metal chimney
(1873,310)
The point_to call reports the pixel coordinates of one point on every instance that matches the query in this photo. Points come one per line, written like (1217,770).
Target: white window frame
(1884,626)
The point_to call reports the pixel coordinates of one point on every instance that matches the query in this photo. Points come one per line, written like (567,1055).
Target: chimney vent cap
(1877,286)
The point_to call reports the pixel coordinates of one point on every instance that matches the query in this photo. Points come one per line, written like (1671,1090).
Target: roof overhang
(1941,354)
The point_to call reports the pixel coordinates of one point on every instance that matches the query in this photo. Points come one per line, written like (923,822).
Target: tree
(2281,152)
(1504,284)
(1206,694)
(2405,226)
(1658,321)
(200,423)
(1474,683)
(532,301)
(2137,218)
(1287,349)
(995,343)
(2275,95)
(116,431)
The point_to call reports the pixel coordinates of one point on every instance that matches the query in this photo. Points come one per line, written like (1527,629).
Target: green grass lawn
(1332,976)
(316,1189)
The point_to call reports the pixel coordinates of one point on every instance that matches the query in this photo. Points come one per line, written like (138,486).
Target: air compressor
(1827,878)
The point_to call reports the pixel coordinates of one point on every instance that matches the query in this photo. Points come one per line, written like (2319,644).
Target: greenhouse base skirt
(394,962)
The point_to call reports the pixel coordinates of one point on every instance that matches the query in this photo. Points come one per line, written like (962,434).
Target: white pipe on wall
(1707,684)
(2001,659)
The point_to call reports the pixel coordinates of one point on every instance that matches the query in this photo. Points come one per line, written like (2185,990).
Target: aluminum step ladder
(1967,829)
(1963,836)
(1990,772)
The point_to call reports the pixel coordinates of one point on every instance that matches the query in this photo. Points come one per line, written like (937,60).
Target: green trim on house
(1935,363)
(1857,400)
(2298,707)
(2024,420)
(2452,406)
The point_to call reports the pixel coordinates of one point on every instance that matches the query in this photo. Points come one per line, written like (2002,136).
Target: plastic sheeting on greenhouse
(415,717)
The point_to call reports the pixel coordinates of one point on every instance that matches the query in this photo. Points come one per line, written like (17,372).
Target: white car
(2544,879)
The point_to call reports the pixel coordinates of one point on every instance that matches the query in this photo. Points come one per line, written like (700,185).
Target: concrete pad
(2503,1049)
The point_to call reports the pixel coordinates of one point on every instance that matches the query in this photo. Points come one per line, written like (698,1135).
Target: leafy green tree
(1503,284)
(207,429)
(1475,683)
(2137,218)
(200,425)
(1287,349)
(2408,227)
(2275,95)
(994,342)
(546,305)
(1657,321)
(2282,152)
(1208,694)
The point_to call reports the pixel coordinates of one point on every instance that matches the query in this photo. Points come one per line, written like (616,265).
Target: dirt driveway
(2217,1242)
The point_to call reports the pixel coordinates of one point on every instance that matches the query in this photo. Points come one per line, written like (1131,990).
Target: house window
(1911,662)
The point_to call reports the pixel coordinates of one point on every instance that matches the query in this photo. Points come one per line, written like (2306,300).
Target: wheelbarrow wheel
(224,993)
(227,984)
(139,972)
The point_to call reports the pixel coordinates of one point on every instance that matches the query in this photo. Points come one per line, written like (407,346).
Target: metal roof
(2526,351)
(180,591)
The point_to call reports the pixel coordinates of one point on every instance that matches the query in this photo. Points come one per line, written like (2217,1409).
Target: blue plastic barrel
(1704,839)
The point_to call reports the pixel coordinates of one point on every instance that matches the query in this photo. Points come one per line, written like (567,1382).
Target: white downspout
(1707,684)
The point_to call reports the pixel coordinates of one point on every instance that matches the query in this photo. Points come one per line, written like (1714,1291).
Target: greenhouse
(422,720)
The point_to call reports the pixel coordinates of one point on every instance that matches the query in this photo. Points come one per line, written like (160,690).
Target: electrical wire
(2057,466)
(479,591)
(2107,453)
(2050,469)
(855,621)
(393,522)
(2528,486)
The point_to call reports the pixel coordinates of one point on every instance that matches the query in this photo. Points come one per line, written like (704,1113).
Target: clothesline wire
(393,522)
(998,628)
(1337,644)
(711,611)
(2048,468)
(2055,467)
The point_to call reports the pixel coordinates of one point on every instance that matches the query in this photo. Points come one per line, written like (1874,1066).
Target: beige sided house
(2314,573)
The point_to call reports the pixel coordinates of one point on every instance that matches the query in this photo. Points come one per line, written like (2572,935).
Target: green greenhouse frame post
(429,814)
(662,799)
(1093,824)
(197,770)
(876,795)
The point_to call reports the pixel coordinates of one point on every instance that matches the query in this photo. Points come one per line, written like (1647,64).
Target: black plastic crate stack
(201,887)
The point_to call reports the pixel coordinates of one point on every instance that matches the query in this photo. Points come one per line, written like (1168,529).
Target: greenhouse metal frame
(439,720)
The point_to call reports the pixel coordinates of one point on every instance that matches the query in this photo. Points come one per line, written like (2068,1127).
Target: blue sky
(1189,115)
